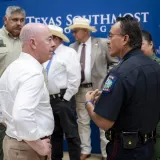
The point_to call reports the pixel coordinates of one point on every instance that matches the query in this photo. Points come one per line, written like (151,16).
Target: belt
(58,95)
(55,96)
(143,137)
(86,85)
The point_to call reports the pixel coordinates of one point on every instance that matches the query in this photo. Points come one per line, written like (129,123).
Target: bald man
(24,98)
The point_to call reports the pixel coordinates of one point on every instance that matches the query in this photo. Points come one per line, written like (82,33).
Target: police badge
(109,83)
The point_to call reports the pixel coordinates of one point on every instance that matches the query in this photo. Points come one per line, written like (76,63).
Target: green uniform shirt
(154,57)
(10,49)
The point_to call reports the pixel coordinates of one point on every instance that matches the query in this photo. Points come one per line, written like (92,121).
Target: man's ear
(32,43)
(5,20)
(126,40)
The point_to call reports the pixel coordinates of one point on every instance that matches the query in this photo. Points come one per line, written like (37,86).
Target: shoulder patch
(109,83)
(2,43)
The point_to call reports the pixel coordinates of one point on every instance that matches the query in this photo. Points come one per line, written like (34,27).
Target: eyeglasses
(112,35)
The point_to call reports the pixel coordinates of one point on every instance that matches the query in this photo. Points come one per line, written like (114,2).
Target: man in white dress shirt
(24,98)
(63,81)
(96,62)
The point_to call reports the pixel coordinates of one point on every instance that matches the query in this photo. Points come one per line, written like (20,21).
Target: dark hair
(131,27)
(147,36)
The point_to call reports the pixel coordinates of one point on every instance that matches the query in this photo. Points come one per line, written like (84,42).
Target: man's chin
(50,56)
(16,34)
(112,54)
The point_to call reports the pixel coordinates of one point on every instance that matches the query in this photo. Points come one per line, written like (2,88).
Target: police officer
(10,46)
(128,106)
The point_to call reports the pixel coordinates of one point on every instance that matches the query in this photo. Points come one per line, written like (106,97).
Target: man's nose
(108,41)
(18,22)
(53,44)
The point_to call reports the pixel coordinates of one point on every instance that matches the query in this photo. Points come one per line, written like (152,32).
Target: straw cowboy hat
(82,23)
(58,31)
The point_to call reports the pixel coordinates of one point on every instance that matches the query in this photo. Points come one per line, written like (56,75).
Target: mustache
(18,27)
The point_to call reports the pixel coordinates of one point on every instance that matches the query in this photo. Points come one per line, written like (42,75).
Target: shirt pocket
(3,53)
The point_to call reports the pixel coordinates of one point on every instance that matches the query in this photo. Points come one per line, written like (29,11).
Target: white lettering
(37,20)
(51,21)
(105,19)
(68,18)
(44,20)
(137,16)
(30,19)
(103,29)
(66,30)
(128,14)
(58,20)
(95,19)
(145,16)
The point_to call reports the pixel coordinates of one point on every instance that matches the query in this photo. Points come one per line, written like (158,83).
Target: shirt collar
(131,53)
(9,34)
(31,59)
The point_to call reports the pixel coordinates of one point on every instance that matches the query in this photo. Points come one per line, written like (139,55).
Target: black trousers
(65,123)
(115,151)
(2,134)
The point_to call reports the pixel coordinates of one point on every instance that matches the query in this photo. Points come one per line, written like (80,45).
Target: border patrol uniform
(157,145)
(10,49)
(130,98)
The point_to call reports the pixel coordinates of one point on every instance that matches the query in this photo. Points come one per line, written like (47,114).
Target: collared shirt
(10,49)
(87,70)
(64,72)
(24,100)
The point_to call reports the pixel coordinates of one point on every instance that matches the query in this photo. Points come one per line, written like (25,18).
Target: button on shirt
(87,70)
(24,100)
(64,72)
(10,49)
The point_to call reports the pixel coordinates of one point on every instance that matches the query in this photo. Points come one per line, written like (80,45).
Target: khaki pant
(19,150)
(84,125)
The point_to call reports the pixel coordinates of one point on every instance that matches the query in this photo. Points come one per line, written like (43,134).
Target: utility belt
(58,95)
(130,139)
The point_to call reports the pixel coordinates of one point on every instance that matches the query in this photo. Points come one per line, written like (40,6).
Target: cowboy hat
(82,23)
(58,31)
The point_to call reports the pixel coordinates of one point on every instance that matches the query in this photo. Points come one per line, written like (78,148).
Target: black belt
(58,95)
(86,85)
(143,137)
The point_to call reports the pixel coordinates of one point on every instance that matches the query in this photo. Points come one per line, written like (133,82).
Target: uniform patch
(108,86)
(2,44)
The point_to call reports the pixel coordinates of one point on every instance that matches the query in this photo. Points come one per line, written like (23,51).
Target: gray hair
(14,9)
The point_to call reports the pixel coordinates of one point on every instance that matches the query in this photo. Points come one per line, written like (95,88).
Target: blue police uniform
(131,98)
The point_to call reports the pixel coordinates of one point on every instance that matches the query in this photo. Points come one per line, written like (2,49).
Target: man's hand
(46,150)
(4,124)
(93,95)
(42,147)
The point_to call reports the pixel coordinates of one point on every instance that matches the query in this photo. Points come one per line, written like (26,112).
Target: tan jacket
(101,61)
